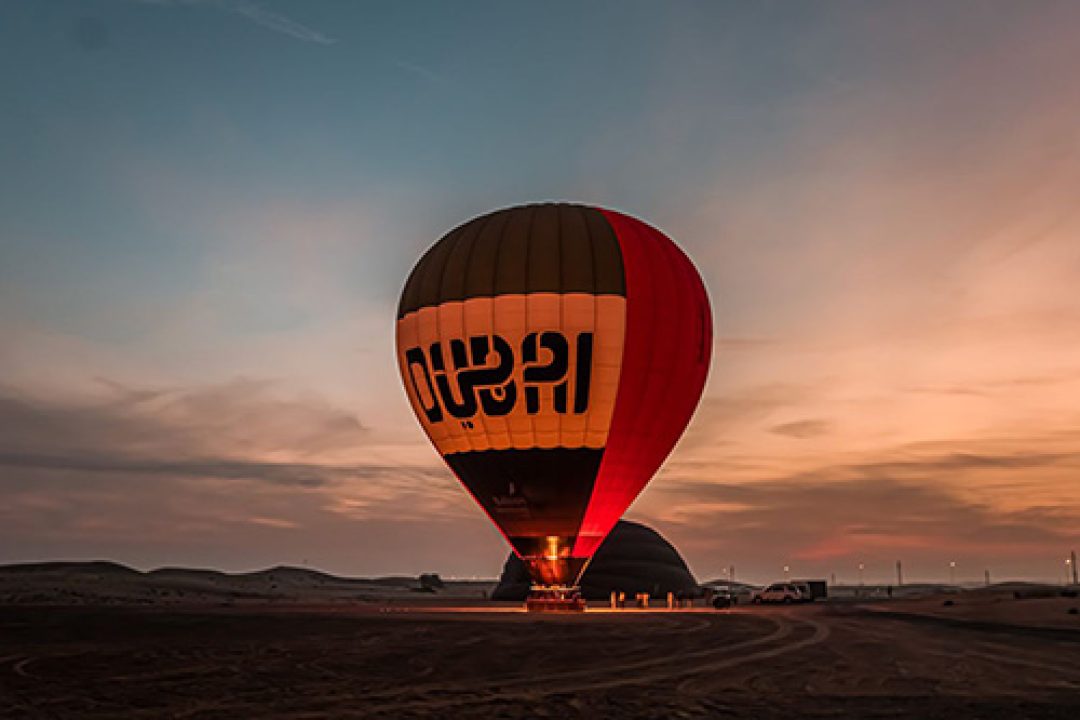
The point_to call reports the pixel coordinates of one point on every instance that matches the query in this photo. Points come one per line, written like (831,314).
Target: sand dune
(107,583)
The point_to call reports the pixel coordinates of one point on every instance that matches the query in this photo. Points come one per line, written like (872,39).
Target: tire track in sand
(686,624)
(472,692)
(781,629)
(669,667)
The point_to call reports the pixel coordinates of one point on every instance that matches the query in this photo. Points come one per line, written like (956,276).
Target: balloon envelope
(553,355)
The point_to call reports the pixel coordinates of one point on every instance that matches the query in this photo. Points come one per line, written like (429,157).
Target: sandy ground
(914,659)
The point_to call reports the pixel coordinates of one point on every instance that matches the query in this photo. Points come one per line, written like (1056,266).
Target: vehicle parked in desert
(812,590)
(778,593)
(724,598)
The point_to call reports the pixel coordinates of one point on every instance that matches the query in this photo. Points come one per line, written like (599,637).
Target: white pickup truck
(778,593)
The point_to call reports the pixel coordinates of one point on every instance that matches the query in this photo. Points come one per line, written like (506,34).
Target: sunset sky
(208,209)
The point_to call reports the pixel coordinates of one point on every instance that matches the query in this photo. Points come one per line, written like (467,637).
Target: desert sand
(987,655)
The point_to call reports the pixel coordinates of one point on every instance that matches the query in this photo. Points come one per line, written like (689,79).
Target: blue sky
(207,209)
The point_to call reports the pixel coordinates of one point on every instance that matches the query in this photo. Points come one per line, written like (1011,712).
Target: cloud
(960,461)
(988,388)
(916,503)
(240,524)
(259,15)
(802,429)
(274,522)
(242,430)
(923,468)
(306,475)
(720,414)
(829,527)
(275,21)
(243,419)
(420,71)
(221,475)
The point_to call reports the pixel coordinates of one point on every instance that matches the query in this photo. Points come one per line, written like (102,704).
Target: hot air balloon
(554,354)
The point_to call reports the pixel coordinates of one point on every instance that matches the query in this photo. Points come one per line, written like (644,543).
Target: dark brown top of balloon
(552,247)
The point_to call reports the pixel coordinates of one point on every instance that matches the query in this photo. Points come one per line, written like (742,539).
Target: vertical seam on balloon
(409,299)
(633,422)
(595,323)
(442,302)
(406,381)
(684,301)
(591,240)
(697,306)
(504,423)
(599,478)
(692,322)
(425,270)
(559,288)
(483,223)
(651,423)
(531,213)
(618,251)
(458,431)
(438,266)
(701,298)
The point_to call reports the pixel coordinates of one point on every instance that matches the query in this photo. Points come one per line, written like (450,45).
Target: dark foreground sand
(835,660)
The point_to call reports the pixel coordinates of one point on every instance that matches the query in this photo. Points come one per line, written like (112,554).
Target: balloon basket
(547,599)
